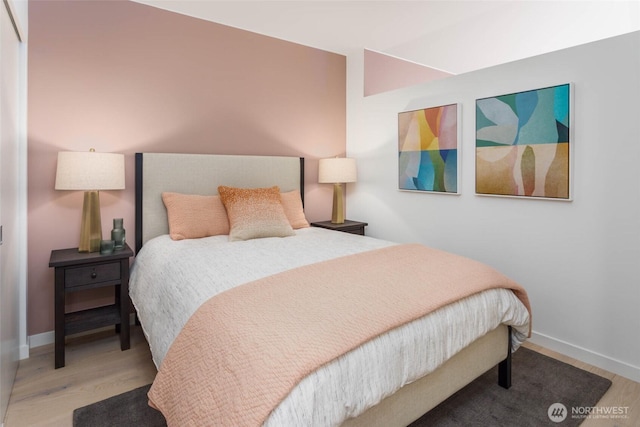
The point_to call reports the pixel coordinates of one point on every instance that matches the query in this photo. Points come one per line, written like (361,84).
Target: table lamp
(90,172)
(336,171)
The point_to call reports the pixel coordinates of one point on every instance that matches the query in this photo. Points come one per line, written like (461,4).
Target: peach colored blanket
(244,350)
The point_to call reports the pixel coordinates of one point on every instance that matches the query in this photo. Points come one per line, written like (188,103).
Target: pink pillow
(255,213)
(193,216)
(292,204)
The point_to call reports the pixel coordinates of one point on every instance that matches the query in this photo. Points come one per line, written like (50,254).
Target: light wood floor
(96,369)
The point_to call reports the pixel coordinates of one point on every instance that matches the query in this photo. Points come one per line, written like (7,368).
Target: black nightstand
(353,227)
(75,271)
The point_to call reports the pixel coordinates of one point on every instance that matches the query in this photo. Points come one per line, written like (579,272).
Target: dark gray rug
(538,382)
(126,409)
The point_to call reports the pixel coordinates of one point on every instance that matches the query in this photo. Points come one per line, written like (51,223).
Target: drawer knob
(94,274)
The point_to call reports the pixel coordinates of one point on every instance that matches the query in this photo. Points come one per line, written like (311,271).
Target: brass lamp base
(337,215)
(91,227)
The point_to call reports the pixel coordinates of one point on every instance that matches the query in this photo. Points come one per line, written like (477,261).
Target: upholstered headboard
(202,174)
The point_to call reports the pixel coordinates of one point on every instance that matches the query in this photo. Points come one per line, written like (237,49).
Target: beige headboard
(202,174)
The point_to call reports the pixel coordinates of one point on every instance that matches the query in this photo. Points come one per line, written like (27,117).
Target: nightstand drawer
(80,276)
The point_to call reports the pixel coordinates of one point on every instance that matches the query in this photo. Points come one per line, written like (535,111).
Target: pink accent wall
(124,77)
(383,73)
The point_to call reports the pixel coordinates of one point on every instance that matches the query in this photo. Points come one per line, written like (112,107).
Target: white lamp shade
(88,170)
(337,170)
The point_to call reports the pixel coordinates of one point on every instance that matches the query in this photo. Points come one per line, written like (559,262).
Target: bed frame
(202,173)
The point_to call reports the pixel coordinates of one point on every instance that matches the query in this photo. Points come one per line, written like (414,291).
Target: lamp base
(91,226)
(337,214)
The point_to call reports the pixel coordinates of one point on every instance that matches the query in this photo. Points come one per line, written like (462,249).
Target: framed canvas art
(428,149)
(523,144)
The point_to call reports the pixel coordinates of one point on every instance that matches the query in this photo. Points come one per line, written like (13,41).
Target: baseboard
(587,356)
(49,337)
(23,353)
(39,340)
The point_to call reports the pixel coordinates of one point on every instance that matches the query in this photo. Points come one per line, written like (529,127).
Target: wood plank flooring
(96,369)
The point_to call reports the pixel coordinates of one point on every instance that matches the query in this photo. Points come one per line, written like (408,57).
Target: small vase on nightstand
(118,234)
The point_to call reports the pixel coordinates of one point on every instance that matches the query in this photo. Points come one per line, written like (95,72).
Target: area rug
(544,392)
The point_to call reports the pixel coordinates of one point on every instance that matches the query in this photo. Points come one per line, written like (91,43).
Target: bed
(389,378)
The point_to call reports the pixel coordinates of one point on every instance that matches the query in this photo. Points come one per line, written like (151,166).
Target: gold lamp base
(91,227)
(337,215)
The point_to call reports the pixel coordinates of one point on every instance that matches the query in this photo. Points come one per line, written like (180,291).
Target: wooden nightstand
(353,227)
(75,271)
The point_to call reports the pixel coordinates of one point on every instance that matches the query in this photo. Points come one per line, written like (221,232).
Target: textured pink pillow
(292,204)
(193,216)
(255,213)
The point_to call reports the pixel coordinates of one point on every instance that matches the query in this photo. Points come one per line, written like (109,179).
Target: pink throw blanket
(244,350)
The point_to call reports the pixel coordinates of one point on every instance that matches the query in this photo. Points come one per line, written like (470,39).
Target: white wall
(578,260)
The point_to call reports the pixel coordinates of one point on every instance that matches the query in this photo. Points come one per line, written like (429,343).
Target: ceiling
(455,36)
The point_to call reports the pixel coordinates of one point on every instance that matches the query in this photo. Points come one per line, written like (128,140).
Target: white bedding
(171,279)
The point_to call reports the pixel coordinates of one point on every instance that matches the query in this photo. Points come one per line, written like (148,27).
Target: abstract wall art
(523,144)
(428,149)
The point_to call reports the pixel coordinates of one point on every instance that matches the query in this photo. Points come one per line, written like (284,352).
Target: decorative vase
(118,234)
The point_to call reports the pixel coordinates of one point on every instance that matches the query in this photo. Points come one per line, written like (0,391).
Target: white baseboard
(23,352)
(39,340)
(587,356)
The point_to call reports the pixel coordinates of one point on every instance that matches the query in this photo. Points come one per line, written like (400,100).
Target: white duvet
(171,279)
